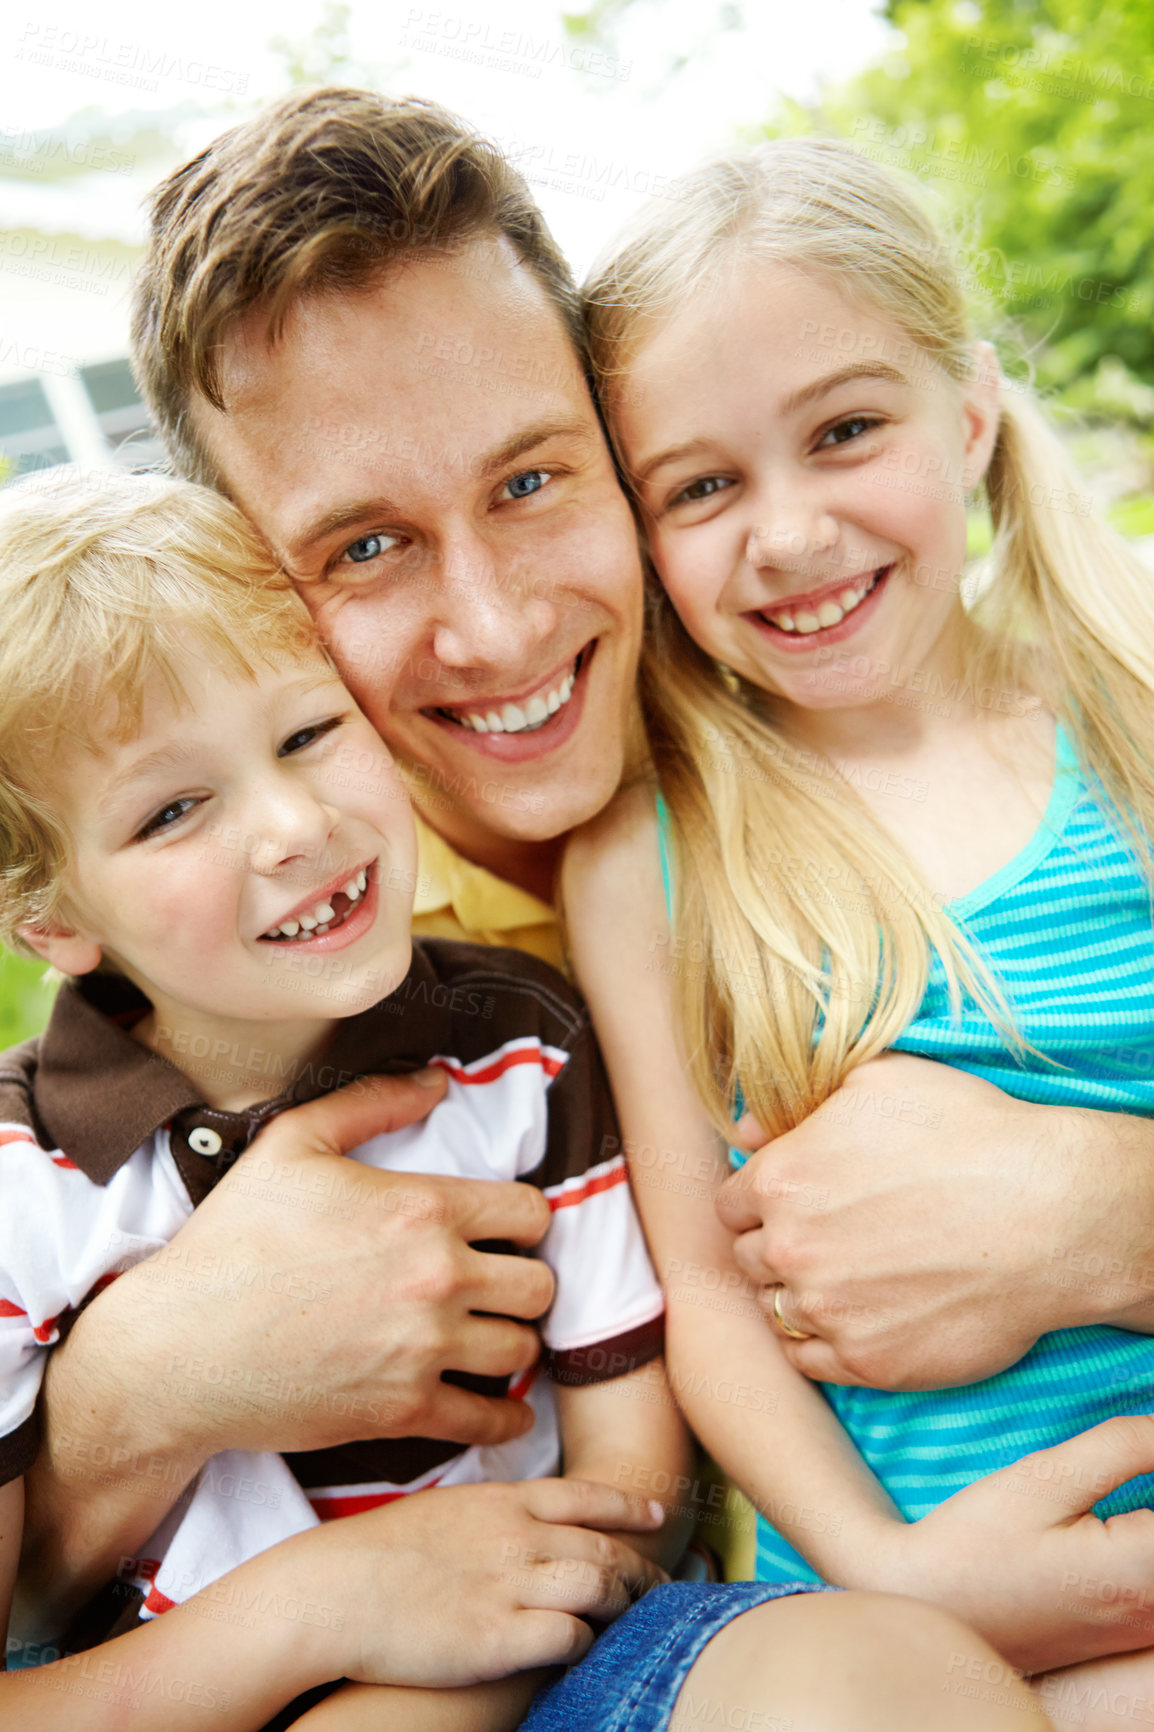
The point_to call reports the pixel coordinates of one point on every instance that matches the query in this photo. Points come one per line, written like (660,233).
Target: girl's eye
(845,431)
(368,547)
(704,488)
(306,736)
(529,481)
(167,816)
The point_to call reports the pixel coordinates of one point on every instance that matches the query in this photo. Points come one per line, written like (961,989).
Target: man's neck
(531,866)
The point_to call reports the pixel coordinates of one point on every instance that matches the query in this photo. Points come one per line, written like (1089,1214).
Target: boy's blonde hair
(814,928)
(102,577)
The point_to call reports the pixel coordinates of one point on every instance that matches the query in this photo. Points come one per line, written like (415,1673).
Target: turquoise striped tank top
(1068,928)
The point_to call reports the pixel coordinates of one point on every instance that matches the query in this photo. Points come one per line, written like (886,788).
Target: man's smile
(522,712)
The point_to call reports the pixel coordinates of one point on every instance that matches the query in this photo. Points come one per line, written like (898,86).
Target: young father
(353,321)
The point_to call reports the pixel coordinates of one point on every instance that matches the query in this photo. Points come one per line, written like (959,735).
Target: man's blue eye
(531,481)
(368,547)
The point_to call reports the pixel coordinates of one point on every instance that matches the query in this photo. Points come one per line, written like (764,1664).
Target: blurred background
(1029,120)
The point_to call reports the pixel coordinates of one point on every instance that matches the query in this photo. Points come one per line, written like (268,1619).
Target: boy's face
(210,850)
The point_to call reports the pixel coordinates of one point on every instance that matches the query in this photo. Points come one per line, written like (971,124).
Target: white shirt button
(205,1141)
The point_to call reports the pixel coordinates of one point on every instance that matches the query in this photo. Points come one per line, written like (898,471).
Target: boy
(199,827)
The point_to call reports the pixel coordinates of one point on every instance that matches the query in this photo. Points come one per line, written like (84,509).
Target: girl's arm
(1001,1559)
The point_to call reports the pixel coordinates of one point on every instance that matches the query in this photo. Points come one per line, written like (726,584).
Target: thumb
(1075,1474)
(365,1108)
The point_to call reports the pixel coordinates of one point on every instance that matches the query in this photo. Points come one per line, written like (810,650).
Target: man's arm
(928,1228)
(189,1352)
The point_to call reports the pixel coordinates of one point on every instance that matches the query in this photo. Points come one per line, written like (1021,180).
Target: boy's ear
(981,412)
(66,950)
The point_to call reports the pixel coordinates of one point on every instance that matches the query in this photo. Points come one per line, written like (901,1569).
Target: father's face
(425,459)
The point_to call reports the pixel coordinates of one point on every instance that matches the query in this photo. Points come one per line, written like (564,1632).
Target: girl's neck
(233,1063)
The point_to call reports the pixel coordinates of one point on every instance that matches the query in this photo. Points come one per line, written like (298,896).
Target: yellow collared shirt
(456,899)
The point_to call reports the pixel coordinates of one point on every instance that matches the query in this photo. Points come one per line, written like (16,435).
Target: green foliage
(1033,119)
(25,998)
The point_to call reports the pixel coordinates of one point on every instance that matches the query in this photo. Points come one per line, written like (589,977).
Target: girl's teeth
(515,718)
(849,599)
(829,613)
(806,622)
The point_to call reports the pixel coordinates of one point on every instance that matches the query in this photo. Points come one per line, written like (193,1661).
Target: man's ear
(981,413)
(65,949)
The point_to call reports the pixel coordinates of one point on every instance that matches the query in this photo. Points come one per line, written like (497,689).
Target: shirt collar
(100,1094)
(481,901)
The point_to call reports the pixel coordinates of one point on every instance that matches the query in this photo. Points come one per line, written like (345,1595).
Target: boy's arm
(628,1433)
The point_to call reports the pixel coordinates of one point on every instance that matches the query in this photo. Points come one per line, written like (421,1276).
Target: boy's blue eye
(167,816)
(528,482)
(306,736)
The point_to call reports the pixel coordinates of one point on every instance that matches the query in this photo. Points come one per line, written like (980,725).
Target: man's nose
(491,613)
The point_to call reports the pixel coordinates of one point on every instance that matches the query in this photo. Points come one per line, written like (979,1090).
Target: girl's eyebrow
(877,370)
(816,388)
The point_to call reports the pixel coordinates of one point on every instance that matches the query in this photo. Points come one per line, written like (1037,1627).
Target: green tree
(1035,117)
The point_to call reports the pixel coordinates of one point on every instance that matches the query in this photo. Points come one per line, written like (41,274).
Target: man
(353,321)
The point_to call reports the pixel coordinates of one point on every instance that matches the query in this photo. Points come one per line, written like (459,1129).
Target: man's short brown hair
(321,192)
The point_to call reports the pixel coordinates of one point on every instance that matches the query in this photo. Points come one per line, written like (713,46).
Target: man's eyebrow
(357,512)
(808,394)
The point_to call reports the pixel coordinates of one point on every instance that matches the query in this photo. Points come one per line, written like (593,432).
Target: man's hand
(463,1583)
(926,1228)
(308,1302)
(1018,1555)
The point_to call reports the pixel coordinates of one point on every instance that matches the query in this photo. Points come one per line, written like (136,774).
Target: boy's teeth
(517,718)
(322,915)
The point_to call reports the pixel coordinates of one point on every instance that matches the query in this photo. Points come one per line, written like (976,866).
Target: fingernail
(656,1510)
(429,1078)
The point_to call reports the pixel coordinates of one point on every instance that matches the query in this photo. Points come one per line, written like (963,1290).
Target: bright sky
(594,133)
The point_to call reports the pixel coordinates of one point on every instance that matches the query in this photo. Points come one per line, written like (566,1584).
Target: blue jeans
(634,1673)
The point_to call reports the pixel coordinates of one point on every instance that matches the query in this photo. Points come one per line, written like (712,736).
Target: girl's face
(802,469)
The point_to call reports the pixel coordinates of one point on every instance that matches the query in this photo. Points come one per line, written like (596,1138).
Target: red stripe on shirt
(7,1309)
(490,1073)
(17,1137)
(600,1182)
(42,1331)
(157,1602)
(330,1508)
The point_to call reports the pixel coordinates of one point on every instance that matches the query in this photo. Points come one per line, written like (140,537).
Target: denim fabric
(633,1674)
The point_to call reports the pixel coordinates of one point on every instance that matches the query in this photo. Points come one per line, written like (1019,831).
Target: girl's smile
(803,490)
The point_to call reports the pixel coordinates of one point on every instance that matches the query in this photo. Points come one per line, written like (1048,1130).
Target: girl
(892,814)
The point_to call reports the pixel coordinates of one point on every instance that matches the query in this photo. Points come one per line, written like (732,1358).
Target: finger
(740,1202)
(588,1503)
(366,1108)
(1084,1468)
(494,1347)
(540,1638)
(748,1134)
(462,1416)
(509,1286)
(593,1575)
(749,1255)
(784,1312)
(498,1209)
(818,1360)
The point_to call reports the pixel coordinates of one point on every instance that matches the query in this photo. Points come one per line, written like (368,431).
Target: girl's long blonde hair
(807,933)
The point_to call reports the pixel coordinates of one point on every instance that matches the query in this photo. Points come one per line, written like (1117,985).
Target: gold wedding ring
(787,1328)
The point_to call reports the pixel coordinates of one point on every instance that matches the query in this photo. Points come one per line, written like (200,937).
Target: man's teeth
(317,920)
(512,719)
(830,612)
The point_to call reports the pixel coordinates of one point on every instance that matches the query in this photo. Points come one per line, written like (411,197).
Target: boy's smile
(248,856)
